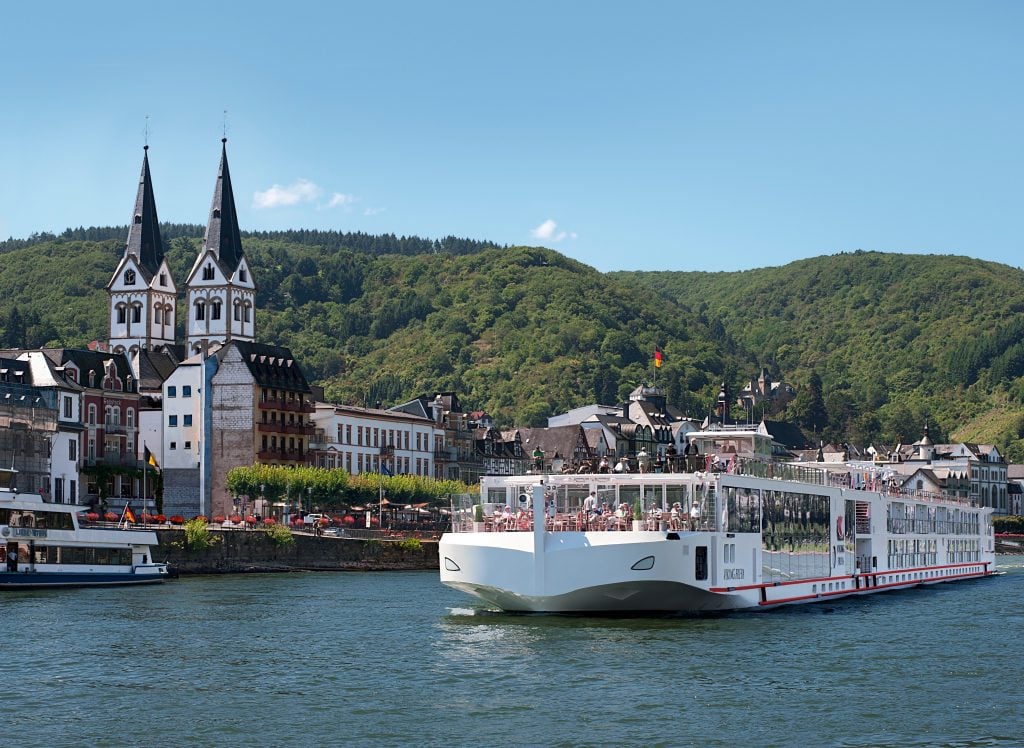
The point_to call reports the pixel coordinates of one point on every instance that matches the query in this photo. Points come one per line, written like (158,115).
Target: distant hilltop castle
(763,390)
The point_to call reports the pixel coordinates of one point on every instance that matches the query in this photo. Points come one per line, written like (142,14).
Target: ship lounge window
(700,563)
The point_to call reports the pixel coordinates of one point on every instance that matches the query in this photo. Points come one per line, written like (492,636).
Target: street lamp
(263,490)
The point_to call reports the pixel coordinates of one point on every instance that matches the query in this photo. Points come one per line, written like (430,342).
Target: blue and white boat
(46,546)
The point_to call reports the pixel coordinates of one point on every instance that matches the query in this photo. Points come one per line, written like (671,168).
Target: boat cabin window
(37,520)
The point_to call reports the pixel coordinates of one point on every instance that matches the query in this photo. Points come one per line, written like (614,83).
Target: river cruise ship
(761,535)
(45,545)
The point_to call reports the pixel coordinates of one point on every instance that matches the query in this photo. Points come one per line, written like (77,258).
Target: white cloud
(340,199)
(300,191)
(373,211)
(545,230)
(548,231)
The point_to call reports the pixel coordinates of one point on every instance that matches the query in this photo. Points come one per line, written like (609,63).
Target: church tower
(142,292)
(220,294)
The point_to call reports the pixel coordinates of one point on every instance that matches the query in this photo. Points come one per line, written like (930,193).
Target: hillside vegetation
(877,344)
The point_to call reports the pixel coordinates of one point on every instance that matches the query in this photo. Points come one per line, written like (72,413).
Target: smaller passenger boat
(45,545)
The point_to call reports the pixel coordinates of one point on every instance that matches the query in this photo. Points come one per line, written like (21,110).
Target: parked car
(313,519)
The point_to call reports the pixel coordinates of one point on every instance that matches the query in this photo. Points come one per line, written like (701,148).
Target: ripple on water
(393,659)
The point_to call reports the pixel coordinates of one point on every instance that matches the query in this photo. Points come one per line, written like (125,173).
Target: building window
(172,420)
(200,310)
(163,279)
(67,407)
(208,273)
(187,419)
(186,390)
(348,433)
(136,313)
(172,391)
(174,445)
(248,312)
(238,312)
(73,450)
(241,275)
(215,309)
(188,445)
(129,277)
(130,418)
(121,315)
(92,414)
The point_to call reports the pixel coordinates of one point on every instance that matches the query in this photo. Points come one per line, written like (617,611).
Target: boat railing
(561,516)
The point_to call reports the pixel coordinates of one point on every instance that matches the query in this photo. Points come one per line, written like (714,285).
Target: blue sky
(639,136)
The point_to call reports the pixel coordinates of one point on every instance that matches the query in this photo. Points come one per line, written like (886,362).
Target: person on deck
(692,455)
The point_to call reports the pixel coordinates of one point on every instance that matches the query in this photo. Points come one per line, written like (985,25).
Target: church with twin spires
(215,398)
(220,293)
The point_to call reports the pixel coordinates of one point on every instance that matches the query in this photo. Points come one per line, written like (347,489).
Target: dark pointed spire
(222,234)
(144,231)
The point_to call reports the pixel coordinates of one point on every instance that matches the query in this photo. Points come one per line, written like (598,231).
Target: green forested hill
(896,340)
(876,343)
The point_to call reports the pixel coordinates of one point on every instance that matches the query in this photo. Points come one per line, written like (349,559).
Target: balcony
(287,455)
(278,427)
(112,460)
(115,429)
(291,406)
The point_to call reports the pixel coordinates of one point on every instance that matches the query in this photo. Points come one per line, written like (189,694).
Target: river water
(395,658)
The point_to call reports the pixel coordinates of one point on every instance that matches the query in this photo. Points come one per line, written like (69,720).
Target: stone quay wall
(254,551)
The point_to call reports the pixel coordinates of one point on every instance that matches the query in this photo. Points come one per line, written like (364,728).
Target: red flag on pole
(657,358)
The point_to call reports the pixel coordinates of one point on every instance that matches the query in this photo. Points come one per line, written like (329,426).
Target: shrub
(280,535)
(198,536)
(410,544)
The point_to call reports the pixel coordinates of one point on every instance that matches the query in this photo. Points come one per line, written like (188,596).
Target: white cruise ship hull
(658,569)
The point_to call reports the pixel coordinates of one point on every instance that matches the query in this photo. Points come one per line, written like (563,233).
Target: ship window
(700,563)
(644,564)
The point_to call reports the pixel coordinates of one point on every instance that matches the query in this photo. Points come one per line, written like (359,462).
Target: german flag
(149,459)
(657,358)
(129,515)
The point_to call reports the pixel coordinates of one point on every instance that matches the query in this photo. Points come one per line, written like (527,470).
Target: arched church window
(129,277)
(137,313)
(238,311)
(215,309)
(242,275)
(158,314)
(248,311)
(122,315)
(138,218)
(200,310)
(163,279)
(208,272)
